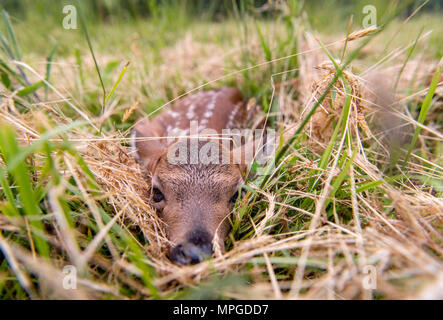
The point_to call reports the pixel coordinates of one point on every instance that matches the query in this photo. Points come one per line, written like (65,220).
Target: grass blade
(10,148)
(122,73)
(424,109)
(48,69)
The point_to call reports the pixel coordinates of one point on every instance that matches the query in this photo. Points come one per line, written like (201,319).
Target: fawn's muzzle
(195,249)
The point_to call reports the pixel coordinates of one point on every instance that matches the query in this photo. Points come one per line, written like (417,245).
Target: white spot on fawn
(209,110)
(232,116)
(210,101)
(174,114)
(190,114)
(203,124)
(211,104)
(177,132)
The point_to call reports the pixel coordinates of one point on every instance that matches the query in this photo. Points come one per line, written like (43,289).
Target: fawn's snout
(197,247)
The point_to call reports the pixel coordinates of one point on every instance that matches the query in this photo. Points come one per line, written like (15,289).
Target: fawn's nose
(195,249)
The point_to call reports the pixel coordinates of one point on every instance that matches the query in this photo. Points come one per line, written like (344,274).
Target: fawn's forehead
(210,183)
(198,176)
(195,175)
(198,161)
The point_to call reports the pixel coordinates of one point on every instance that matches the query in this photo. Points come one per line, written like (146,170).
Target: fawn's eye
(234,197)
(157,195)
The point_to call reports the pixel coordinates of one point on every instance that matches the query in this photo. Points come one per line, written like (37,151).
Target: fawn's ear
(146,145)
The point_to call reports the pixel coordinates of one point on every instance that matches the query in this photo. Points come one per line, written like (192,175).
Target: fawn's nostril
(177,255)
(198,254)
(189,253)
(197,248)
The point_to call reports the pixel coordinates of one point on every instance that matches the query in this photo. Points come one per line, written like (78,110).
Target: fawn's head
(193,198)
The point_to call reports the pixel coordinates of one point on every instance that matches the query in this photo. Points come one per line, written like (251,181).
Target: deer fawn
(193,197)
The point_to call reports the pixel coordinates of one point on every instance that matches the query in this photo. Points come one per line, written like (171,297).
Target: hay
(322,124)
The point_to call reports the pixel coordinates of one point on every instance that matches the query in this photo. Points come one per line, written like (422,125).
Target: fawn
(193,197)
